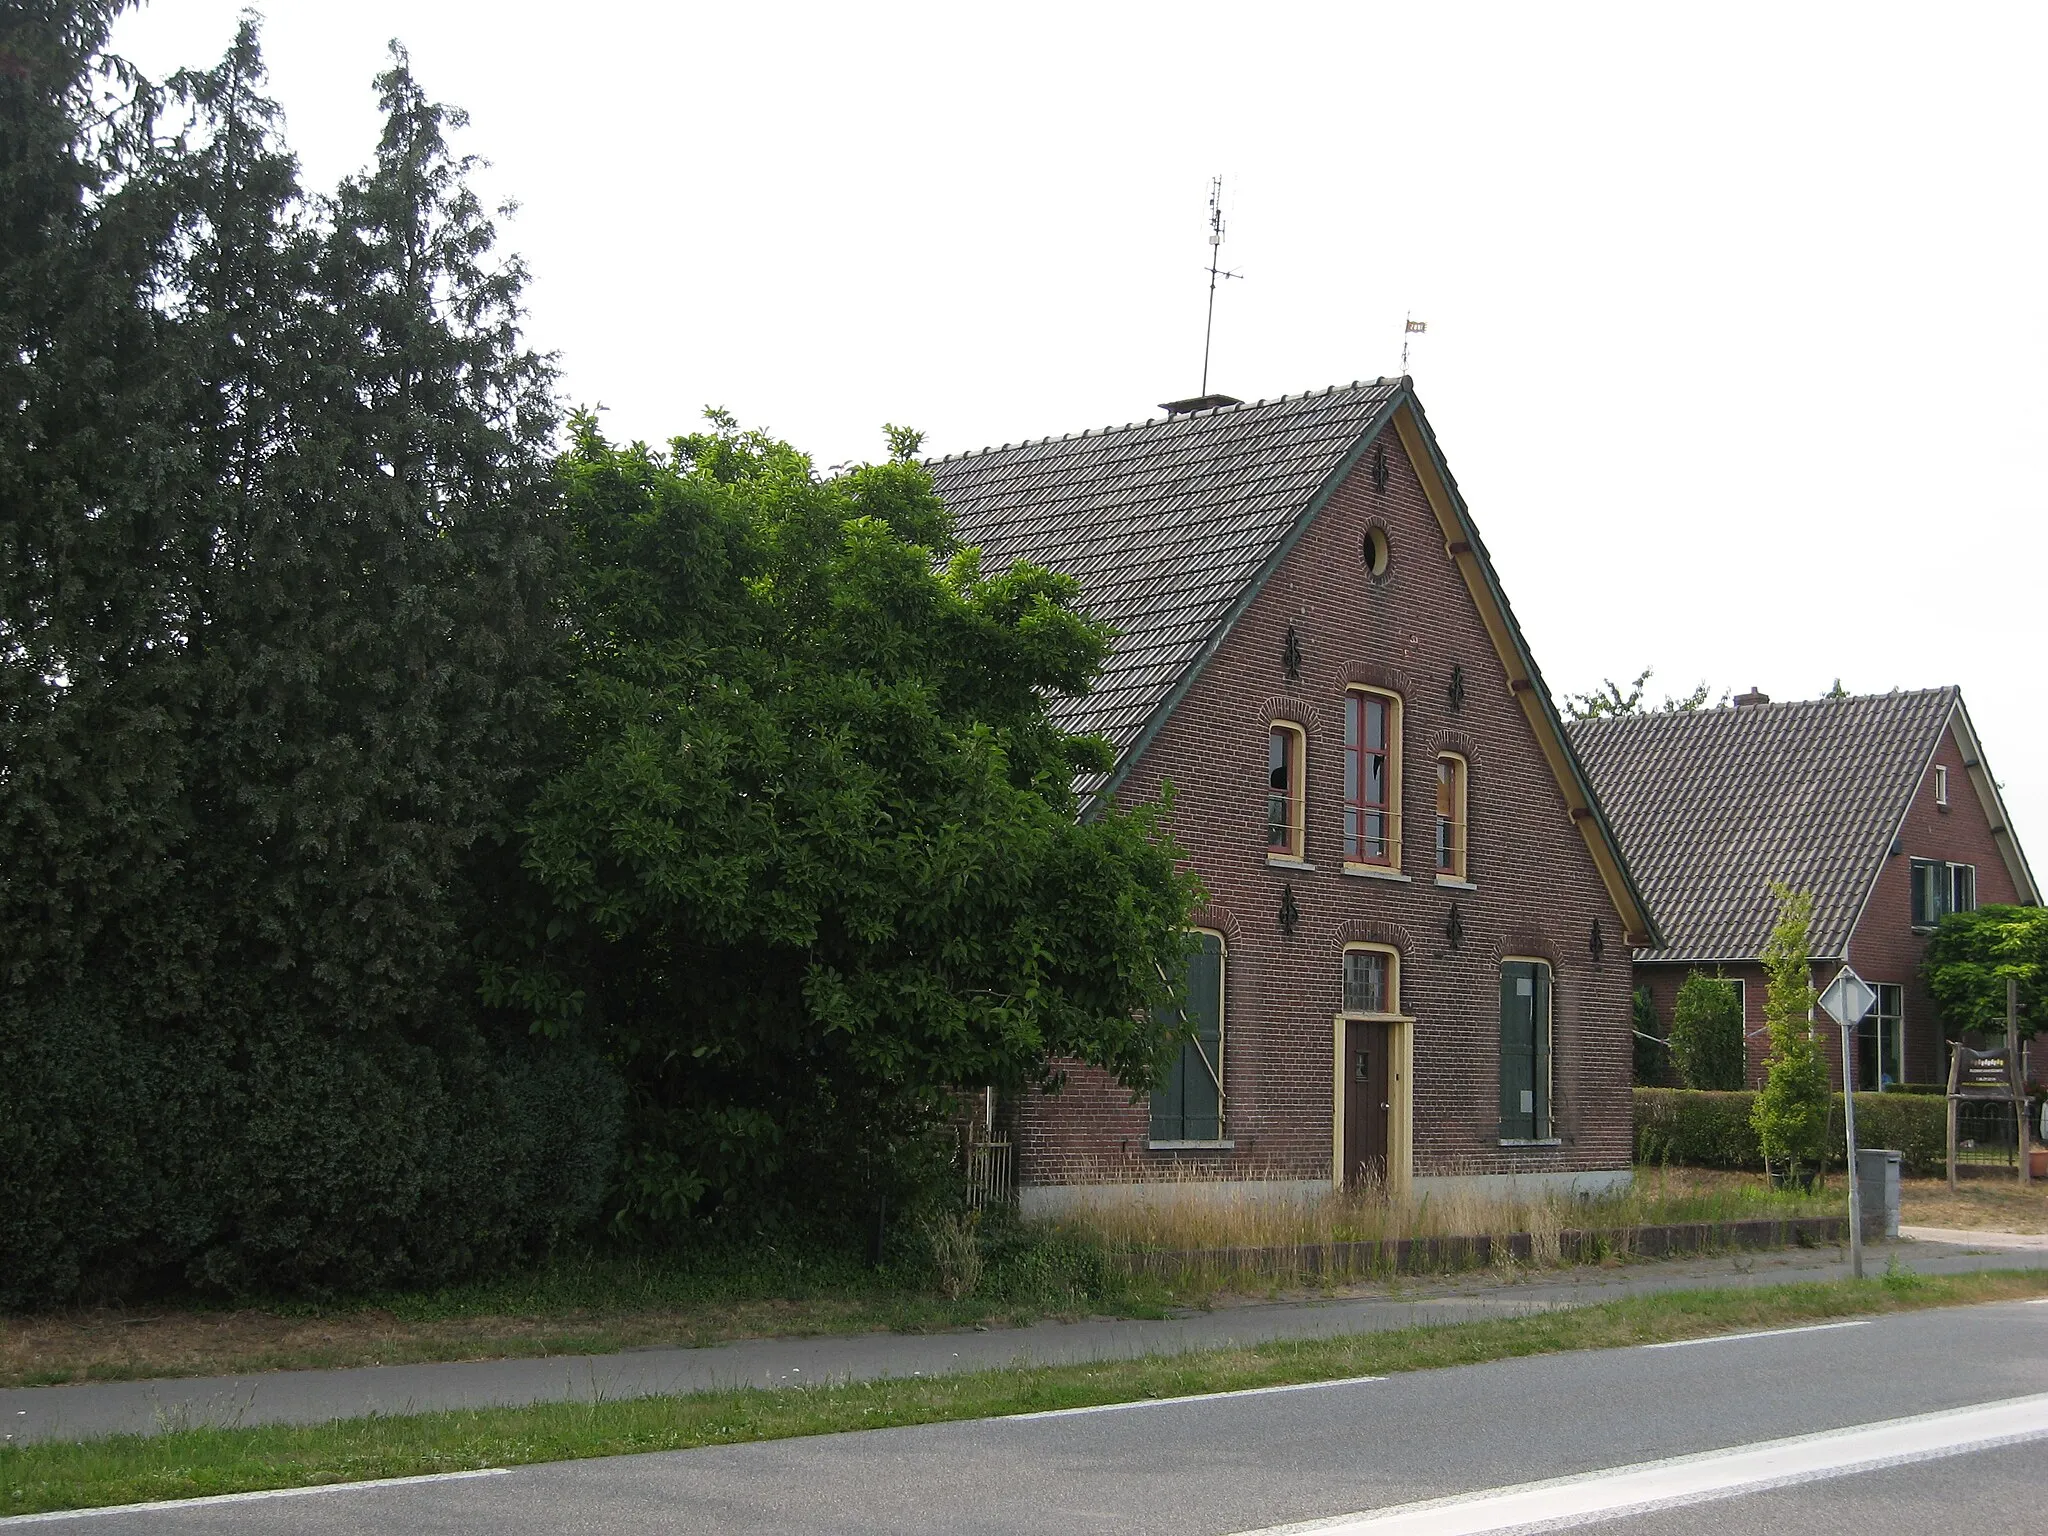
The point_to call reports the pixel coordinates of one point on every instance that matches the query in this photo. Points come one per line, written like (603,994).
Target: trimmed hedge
(1713,1130)
(236,1158)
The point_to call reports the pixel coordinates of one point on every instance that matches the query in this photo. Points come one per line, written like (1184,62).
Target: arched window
(1188,1106)
(1372,778)
(1286,777)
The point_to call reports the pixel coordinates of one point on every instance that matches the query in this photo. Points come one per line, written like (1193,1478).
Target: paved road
(41,1413)
(1249,1462)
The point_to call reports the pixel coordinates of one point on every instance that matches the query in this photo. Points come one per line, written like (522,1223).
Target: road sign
(1848,998)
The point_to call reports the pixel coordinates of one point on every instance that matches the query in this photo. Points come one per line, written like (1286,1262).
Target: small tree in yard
(1706,1033)
(1971,957)
(1791,1113)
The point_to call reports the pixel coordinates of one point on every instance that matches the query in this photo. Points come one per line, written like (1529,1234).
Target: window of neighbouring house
(1286,758)
(1881,1040)
(1931,892)
(1525,1050)
(1939,889)
(1940,784)
(1188,1107)
(1372,740)
(1450,816)
(1372,980)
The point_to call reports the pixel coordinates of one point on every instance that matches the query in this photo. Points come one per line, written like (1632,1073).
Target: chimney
(1753,697)
(1198,403)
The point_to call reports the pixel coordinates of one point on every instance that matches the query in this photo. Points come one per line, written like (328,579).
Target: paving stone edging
(1442,1255)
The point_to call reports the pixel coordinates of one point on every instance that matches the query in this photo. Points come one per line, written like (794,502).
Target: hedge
(234,1159)
(1713,1130)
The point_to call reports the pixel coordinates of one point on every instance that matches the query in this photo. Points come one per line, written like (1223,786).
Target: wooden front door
(1367,1101)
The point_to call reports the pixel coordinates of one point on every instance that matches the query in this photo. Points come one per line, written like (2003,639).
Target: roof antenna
(1410,327)
(1206,401)
(1215,271)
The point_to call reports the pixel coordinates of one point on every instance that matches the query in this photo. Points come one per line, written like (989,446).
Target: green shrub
(235,1160)
(1715,1130)
(1695,1128)
(1653,1051)
(1706,1033)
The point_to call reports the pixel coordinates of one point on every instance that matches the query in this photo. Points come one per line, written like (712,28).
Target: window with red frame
(1368,779)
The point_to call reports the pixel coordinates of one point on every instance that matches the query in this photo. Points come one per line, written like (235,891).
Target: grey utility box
(1877,1186)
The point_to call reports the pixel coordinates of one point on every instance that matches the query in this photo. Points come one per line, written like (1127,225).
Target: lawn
(187,1463)
(1982,1202)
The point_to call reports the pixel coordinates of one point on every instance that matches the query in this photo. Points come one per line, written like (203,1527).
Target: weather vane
(1409,327)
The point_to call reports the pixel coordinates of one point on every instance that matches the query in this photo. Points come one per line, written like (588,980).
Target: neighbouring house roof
(1713,805)
(1172,525)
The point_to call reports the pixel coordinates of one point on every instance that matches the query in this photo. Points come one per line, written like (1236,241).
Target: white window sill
(1453,883)
(1377,872)
(1288,861)
(1541,1141)
(1191,1146)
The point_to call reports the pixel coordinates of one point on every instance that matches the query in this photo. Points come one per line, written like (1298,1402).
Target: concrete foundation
(1060,1199)
(1524,1186)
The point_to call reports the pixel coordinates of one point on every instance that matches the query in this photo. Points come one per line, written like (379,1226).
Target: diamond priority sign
(1848,998)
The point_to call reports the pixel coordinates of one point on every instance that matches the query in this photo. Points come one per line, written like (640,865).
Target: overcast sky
(1736,314)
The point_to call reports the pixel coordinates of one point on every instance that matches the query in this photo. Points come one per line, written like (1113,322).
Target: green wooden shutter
(1189,1106)
(1517,1051)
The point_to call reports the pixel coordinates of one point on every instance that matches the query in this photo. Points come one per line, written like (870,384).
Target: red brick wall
(1665,980)
(1537,893)
(1884,946)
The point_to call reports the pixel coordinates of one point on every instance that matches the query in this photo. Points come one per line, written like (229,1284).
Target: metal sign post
(2019,1079)
(1847,999)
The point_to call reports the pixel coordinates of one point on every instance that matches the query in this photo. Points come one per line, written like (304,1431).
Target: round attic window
(1375,551)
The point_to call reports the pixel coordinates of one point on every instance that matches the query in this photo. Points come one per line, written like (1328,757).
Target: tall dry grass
(1224,1232)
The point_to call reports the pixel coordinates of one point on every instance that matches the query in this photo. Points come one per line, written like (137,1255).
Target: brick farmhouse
(1414,964)
(1883,807)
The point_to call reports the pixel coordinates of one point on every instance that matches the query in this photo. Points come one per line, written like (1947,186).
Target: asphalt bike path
(316,1396)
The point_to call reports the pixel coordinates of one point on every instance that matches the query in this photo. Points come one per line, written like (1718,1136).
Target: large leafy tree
(1974,954)
(813,859)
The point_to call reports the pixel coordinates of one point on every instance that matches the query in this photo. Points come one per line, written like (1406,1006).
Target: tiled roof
(1164,523)
(1713,805)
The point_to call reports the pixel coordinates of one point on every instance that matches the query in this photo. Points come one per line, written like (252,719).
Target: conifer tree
(1791,1112)
(276,636)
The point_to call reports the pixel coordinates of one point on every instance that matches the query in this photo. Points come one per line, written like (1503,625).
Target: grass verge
(183,1463)
(1022,1271)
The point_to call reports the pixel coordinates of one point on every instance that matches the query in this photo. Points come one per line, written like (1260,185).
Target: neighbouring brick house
(1883,807)
(1414,962)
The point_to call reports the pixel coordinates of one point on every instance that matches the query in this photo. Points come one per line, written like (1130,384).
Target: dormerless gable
(1172,527)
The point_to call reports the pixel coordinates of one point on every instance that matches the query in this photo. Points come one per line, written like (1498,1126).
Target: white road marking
(1565,1503)
(245,1498)
(1199,1397)
(1761,1333)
